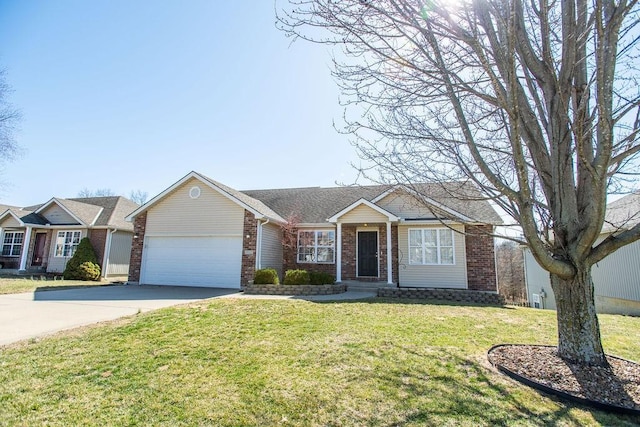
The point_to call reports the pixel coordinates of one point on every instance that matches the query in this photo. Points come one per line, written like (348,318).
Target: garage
(213,262)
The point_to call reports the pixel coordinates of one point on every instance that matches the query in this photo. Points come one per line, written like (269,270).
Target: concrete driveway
(34,314)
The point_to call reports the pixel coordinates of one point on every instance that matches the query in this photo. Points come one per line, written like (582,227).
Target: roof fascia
(367,203)
(184,179)
(60,205)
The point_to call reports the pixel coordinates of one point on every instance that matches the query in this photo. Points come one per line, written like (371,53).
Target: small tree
(510,271)
(83,265)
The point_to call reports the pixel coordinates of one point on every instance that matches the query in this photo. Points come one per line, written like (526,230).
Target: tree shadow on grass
(410,301)
(479,397)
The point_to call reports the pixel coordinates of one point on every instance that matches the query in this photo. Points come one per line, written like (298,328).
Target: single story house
(42,238)
(616,279)
(199,232)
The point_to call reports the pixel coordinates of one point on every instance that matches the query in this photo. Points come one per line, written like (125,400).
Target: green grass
(237,362)
(19,285)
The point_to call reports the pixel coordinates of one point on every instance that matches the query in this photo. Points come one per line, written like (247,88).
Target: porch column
(389,255)
(25,249)
(339,252)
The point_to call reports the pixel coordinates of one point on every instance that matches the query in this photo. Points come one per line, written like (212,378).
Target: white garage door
(213,262)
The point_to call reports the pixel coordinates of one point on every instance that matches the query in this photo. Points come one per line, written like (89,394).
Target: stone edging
(561,394)
(336,288)
(461,295)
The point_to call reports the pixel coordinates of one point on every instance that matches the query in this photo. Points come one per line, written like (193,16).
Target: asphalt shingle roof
(624,213)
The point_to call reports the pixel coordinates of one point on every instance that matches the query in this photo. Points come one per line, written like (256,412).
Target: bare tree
(510,272)
(100,192)
(9,118)
(138,196)
(536,103)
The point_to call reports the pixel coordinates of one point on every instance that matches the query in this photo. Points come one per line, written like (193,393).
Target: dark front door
(38,249)
(368,254)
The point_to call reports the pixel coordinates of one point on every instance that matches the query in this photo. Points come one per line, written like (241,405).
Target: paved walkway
(34,314)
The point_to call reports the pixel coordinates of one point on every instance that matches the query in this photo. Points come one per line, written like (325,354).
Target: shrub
(84,254)
(296,277)
(320,278)
(266,276)
(88,271)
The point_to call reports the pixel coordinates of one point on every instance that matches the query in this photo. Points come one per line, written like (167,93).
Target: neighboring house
(43,238)
(199,232)
(616,278)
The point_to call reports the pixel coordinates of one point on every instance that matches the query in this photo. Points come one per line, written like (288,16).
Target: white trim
(315,232)
(54,240)
(315,225)
(339,252)
(107,250)
(389,255)
(368,229)
(55,200)
(16,217)
(192,235)
(25,249)
(360,202)
(97,216)
(438,246)
(14,231)
(426,199)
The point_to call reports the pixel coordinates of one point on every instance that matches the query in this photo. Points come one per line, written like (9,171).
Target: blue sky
(132,95)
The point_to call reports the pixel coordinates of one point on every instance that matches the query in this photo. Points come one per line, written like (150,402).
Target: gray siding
(119,253)
(616,281)
(271,250)
(432,276)
(211,214)
(56,215)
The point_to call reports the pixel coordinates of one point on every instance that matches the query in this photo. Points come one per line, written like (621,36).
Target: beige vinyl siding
(271,251)
(362,214)
(432,276)
(10,222)
(404,206)
(119,253)
(210,214)
(616,281)
(57,264)
(56,215)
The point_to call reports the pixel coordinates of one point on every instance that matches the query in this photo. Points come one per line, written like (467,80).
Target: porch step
(353,285)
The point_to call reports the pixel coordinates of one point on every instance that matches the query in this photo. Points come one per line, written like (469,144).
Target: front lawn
(244,362)
(11,285)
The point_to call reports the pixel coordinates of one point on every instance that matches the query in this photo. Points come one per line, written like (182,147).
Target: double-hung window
(12,243)
(317,246)
(67,242)
(431,246)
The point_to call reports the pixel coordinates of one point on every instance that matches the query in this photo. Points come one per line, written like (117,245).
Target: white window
(429,246)
(317,246)
(67,242)
(12,243)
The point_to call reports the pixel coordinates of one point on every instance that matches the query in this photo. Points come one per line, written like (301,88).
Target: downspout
(107,249)
(259,243)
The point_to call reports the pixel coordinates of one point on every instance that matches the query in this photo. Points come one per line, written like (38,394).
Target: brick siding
(139,227)
(249,240)
(481,261)
(98,239)
(290,259)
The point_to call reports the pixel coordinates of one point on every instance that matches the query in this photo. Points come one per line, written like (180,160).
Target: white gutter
(259,243)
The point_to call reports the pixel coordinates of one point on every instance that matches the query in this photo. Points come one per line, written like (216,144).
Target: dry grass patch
(27,284)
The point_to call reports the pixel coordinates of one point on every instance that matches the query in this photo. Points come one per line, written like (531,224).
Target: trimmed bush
(296,277)
(266,276)
(320,278)
(84,254)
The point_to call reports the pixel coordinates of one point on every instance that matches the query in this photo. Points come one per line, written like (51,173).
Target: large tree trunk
(578,329)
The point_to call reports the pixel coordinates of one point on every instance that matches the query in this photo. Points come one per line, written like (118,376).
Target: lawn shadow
(475,397)
(406,301)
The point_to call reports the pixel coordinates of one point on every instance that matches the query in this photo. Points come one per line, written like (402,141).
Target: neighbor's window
(431,246)
(317,246)
(12,243)
(67,243)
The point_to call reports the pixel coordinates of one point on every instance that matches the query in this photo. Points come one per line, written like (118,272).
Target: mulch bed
(616,388)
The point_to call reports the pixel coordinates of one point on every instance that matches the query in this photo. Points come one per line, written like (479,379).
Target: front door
(367,254)
(38,249)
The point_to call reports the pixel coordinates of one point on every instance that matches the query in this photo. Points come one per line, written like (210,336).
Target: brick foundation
(481,261)
(458,295)
(137,244)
